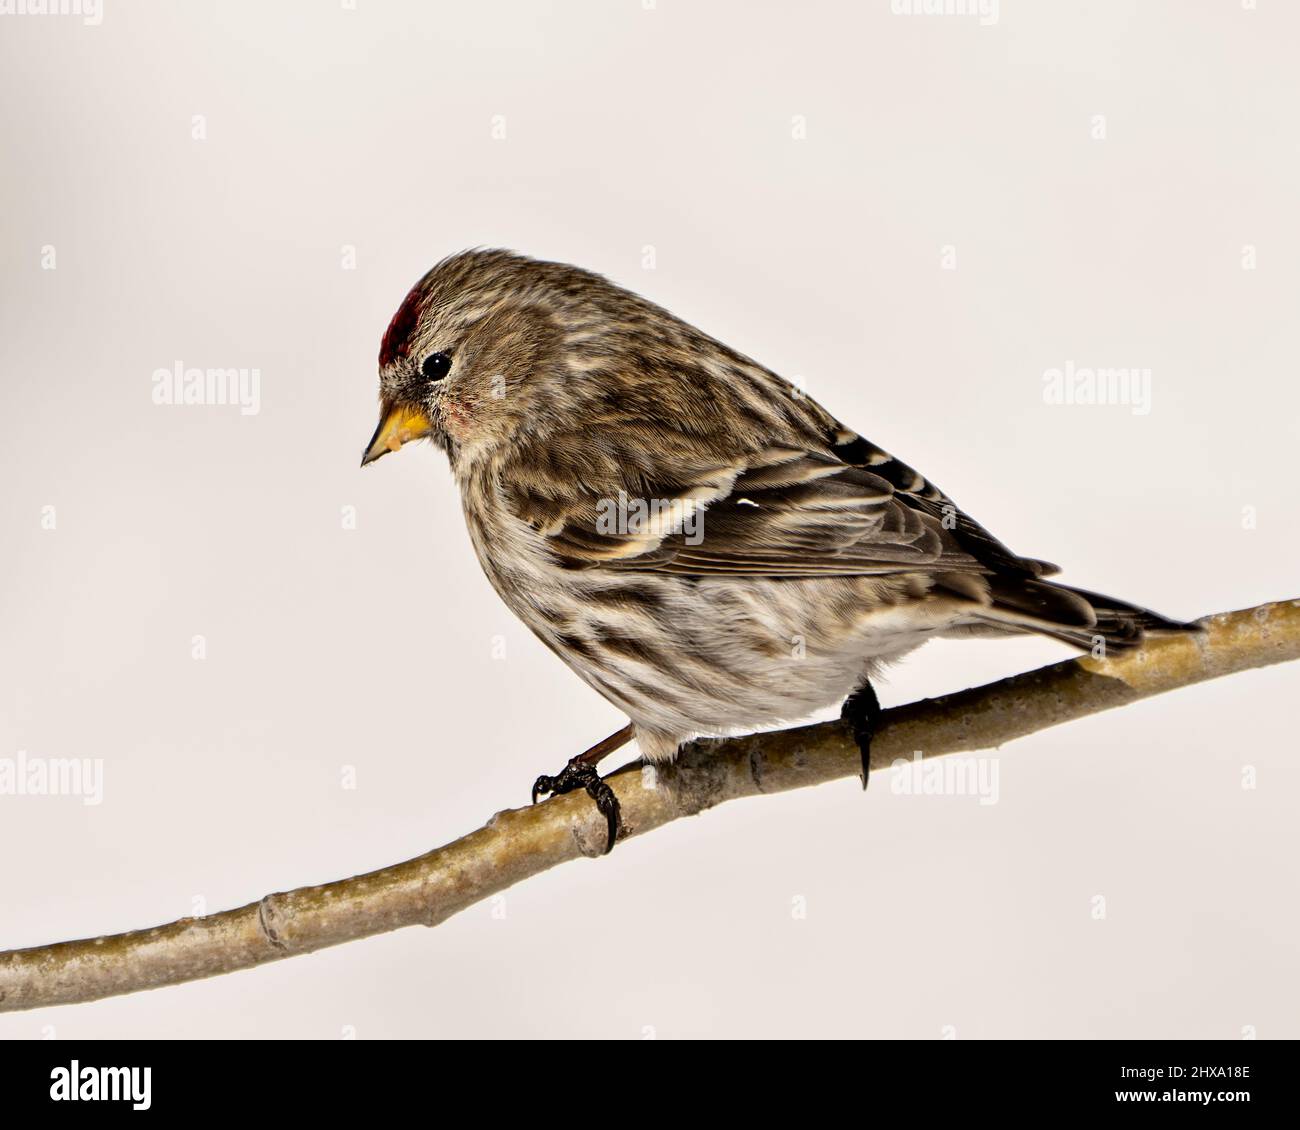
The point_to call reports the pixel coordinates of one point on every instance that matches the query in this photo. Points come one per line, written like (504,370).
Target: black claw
(543,785)
(581,775)
(862,711)
(607,803)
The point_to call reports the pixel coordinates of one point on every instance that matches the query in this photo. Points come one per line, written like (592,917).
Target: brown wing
(842,508)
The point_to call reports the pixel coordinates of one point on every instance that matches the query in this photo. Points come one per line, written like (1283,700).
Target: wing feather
(715,472)
(775,513)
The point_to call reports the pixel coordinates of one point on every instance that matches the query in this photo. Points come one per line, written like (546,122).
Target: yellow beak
(398,424)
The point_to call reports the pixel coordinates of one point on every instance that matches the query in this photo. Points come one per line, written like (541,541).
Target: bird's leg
(861,711)
(580,773)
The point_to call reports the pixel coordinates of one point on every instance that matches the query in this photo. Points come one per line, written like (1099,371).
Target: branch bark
(518,843)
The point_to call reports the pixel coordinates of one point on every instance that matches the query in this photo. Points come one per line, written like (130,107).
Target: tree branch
(519,843)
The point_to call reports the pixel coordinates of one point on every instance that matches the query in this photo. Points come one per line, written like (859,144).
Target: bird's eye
(436,366)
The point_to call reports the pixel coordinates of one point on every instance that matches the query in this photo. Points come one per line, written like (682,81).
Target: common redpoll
(705,545)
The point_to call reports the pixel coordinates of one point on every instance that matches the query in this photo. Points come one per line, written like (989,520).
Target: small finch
(706,546)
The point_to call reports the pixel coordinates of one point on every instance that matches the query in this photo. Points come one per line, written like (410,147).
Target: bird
(703,543)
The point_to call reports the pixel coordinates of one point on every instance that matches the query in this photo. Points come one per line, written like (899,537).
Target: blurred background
(289,670)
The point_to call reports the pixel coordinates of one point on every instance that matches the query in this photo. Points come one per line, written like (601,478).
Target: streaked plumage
(818,556)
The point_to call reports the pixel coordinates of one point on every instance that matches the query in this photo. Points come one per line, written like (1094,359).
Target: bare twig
(518,843)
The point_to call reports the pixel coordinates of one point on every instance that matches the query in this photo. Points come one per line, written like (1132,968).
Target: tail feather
(1074,616)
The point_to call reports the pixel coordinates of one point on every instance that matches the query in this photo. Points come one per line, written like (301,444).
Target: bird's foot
(861,711)
(579,774)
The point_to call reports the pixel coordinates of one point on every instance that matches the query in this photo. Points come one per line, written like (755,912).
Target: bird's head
(483,350)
